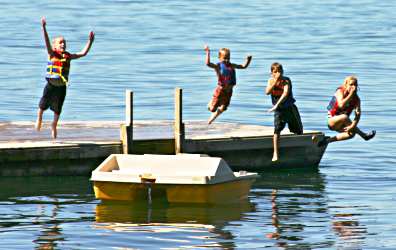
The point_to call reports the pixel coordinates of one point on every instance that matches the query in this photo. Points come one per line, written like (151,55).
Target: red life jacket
(277,92)
(58,66)
(334,109)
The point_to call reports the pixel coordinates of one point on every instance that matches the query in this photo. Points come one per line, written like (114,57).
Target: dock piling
(179,125)
(127,128)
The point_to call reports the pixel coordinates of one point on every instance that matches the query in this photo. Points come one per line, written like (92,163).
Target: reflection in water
(51,232)
(286,209)
(298,205)
(349,230)
(275,220)
(173,218)
(37,205)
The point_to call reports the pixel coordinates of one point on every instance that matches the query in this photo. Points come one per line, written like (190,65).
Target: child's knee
(212,108)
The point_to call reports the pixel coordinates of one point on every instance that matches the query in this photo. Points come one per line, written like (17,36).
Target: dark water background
(151,47)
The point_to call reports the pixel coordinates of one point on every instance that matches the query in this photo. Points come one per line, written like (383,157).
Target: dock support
(179,125)
(127,128)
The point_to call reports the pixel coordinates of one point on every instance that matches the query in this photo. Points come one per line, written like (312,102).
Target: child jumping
(340,108)
(57,75)
(285,111)
(226,80)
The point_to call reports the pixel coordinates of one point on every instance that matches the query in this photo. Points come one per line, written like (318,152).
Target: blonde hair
(55,39)
(350,78)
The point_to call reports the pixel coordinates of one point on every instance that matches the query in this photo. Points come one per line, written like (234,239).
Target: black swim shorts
(53,98)
(289,115)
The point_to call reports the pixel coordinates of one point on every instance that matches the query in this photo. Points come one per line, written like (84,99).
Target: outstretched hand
(43,21)
(272,109)
(249,57)
(206,48)
(91,36)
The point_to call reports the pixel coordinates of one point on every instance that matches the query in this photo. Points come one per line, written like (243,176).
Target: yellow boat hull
(227,192)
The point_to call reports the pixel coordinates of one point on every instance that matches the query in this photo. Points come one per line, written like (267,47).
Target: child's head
(224,55)
(350,81)
(276,69)
(351,84)
(59,44)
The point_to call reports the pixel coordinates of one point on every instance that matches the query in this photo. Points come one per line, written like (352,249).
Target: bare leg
(342,137)
(275,140)
(39,119)
(215,114)
(54,126)
(339,122)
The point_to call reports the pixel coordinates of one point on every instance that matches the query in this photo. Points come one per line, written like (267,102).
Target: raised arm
(46,37)
(245,65)
(87,47)
(207,59)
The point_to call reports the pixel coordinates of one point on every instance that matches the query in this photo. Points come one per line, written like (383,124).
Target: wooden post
(179,125)
(127,128)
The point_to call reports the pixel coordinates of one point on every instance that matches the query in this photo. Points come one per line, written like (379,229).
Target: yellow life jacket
(58,66)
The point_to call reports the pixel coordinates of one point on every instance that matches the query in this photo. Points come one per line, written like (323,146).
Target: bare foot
(54,132)
(212,118)
(37,126)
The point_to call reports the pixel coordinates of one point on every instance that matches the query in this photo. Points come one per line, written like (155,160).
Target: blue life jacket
(227,74)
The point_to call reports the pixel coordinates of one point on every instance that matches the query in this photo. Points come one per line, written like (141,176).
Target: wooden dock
(81,146)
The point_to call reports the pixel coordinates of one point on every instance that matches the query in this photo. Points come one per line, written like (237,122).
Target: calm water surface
(151,47)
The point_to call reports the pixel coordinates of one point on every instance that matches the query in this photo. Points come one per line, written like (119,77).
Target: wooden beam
(127,128)
(179,125)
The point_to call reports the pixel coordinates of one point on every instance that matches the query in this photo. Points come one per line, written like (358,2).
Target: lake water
(151,47)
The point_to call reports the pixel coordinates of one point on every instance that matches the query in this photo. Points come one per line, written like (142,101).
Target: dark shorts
(53,98)
(289,115)
(221,96)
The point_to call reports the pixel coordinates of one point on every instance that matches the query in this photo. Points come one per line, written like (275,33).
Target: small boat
(181,178)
